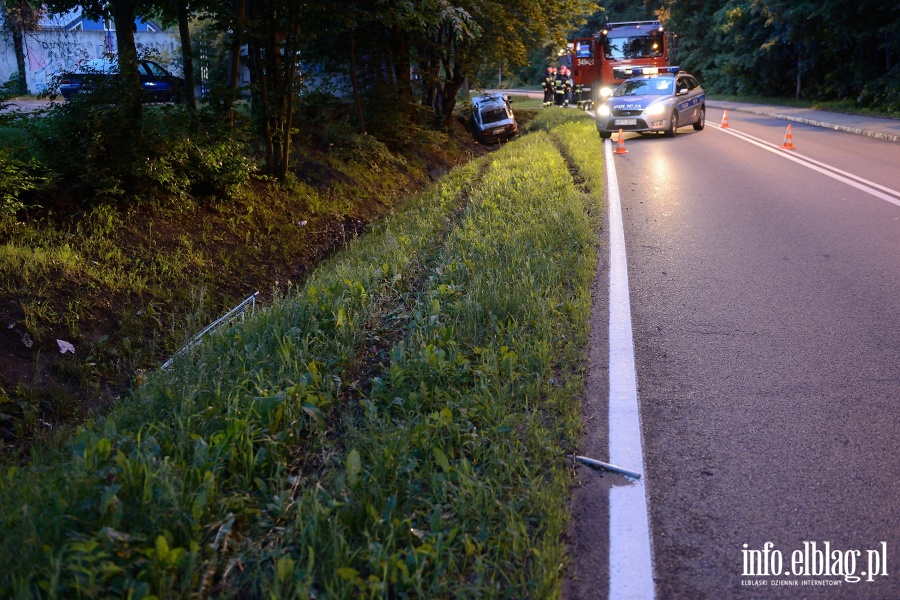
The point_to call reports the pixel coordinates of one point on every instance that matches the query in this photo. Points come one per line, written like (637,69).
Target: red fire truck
(602,62)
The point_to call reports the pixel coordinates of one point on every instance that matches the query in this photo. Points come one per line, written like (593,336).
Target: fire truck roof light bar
(636,24)
(630,23)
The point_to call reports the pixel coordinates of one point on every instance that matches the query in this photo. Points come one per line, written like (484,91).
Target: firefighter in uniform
(549,85)
(579,96)
(559,87)
(563,87)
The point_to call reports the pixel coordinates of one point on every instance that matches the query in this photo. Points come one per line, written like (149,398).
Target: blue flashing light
(654,70)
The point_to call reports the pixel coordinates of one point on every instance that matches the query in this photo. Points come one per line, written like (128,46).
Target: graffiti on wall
(50,53)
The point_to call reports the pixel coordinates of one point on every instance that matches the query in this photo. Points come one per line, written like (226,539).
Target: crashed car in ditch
(493,119)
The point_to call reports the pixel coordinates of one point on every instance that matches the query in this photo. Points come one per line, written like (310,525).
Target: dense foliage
(813,50)
(391,59)
(831,49)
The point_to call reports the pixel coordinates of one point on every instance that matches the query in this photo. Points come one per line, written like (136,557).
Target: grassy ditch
(394,428)
(125,282)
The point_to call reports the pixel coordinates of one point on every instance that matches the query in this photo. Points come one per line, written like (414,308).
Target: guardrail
(238,311)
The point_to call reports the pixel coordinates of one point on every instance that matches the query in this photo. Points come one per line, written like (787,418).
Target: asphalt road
(766,312)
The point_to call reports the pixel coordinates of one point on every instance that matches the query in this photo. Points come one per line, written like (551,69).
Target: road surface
(765,301)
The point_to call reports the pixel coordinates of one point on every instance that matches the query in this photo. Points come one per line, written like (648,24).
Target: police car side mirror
(682,91)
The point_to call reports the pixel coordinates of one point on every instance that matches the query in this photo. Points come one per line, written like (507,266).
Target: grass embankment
(127,282)
(395,428)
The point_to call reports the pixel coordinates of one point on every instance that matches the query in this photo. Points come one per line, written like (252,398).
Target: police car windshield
(650,86)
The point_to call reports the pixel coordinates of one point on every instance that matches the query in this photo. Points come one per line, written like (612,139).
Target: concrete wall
(49,53)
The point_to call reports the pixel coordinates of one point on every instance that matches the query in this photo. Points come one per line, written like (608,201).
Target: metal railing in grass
(238,311)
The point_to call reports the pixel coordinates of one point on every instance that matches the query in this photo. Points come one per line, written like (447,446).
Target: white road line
(630,557)
(870,187)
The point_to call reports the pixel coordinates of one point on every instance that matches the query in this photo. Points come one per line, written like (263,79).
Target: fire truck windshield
(641,46)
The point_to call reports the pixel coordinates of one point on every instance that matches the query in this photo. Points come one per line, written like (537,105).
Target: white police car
(653,99)
(492,118)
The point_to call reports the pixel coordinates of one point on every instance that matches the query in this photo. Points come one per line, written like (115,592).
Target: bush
(183,159)
(883,93)
(16,178)
(91,145)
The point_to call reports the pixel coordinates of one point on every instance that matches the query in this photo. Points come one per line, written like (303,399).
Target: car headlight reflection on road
(603,111)
(655,109)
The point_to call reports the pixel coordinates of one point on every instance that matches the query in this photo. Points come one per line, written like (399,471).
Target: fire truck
(602,62)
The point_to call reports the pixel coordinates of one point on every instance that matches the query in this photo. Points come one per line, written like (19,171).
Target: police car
(653,99)
(492,118)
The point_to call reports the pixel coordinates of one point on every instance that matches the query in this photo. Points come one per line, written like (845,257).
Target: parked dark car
(157,83)
(493,119)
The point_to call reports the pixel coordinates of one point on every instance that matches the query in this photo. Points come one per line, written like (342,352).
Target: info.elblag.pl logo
(815,560)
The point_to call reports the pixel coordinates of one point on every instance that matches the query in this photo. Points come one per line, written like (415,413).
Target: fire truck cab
(601,62)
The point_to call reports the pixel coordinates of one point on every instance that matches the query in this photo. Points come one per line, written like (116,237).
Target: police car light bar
(654,70)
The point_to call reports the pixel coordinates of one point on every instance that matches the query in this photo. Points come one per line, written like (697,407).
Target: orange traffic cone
(620,148)
(788,143)
(724,124)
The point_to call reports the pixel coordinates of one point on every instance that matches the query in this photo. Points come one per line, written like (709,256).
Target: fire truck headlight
(606,92)
(603,111)
(657,108)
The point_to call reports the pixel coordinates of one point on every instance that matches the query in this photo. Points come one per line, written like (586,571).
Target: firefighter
(579,96)
(563,86)
(548,84)
(559,87)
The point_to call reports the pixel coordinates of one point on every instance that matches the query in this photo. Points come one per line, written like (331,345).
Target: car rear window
(492,115)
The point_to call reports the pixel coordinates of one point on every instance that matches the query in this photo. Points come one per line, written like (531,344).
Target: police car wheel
(605,135)
(673,125)
(701,120)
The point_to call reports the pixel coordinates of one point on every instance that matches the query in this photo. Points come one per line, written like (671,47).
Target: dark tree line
(396,61)
(815,49)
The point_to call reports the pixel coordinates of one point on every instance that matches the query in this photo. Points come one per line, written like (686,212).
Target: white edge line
(830,171)
(795,154)
(630,555)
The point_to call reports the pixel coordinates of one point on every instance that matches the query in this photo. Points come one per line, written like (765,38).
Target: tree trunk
(18,36)
(400,45)
(272,66)
(187,56)
(451,88)
(234,68)
(355,84)
(123,14)
(261,105)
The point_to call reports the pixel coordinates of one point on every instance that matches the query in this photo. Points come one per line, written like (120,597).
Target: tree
(841,49)
(274,35)
(123,13)
(19,17)
(479,32)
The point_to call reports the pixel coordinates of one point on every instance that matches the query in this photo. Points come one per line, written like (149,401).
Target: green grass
(393,428)
(525,102)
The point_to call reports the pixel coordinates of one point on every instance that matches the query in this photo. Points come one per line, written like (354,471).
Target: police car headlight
(603,111)
(606,92)
(655,109)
